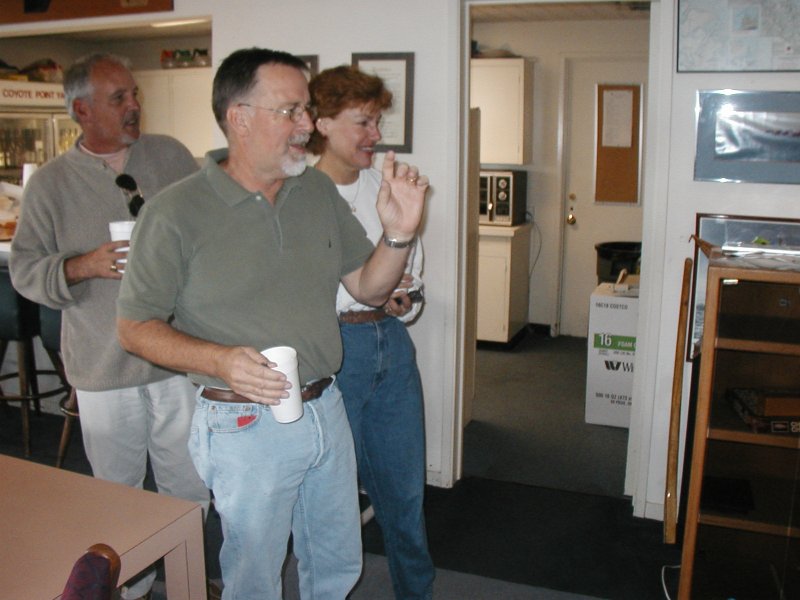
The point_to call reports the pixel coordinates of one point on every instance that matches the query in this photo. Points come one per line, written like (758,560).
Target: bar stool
(50,333)
(19,322)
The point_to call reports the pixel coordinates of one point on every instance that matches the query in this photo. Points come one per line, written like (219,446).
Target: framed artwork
(28,11)
(738,35)
(312,62)
(748,136)
(730,230)
(397,71)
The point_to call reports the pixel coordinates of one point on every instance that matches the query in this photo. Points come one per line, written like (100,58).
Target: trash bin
(612,257)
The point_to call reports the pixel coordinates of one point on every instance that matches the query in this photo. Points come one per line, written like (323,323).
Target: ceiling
(488,13)
(560,11)
(136,32)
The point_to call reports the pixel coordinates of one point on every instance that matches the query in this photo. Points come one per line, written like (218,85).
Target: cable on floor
(663,580)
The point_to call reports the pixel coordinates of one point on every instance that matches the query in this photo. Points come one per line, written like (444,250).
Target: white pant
(121,427)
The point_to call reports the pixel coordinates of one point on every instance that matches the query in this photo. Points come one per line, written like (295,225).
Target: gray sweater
(66,208)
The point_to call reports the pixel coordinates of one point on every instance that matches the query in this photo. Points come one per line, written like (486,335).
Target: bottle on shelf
(200,57)
(167,59)
(183,58)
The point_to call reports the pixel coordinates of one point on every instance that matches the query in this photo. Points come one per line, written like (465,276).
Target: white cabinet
(503,259)
(503,90)
(177,102)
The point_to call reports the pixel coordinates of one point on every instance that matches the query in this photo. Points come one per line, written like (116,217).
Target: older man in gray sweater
(61,256)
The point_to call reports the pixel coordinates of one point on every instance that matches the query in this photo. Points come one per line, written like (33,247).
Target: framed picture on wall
(397,71)
(748,136)
(312,62)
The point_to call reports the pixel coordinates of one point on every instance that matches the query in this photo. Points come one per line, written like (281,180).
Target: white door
(593,222)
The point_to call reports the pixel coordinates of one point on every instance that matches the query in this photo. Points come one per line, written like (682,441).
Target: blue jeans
(383,397)
(272,479)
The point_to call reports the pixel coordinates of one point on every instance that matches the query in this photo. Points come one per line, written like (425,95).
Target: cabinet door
(493,298)
(193,119)
(156,101)
(502,89)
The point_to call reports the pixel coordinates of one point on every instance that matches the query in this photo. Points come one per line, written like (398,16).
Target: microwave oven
(502,197)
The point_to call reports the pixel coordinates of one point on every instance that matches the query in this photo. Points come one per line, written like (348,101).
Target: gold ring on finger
(114,267)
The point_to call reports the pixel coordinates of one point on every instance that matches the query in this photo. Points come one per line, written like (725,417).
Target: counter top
(502,230)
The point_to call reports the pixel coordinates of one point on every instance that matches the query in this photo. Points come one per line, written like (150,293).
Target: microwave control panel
(502,197)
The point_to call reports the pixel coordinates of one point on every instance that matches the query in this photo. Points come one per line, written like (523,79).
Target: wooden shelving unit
(742,528)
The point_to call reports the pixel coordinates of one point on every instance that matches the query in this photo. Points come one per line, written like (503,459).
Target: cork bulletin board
(617,152)
(30,11)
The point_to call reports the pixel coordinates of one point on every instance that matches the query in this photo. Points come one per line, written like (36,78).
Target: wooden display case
(742,529)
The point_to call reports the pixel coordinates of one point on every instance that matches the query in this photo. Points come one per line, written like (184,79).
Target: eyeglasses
(135,198)
(295,112)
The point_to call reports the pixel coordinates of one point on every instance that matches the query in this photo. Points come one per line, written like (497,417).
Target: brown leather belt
(362,316)
(310,391)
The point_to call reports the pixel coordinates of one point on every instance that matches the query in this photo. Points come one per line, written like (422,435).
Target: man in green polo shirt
(248,254)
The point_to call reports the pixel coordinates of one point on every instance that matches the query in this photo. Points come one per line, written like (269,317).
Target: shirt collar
(229,190)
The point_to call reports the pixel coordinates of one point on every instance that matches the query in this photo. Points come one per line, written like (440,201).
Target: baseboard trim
(539,329)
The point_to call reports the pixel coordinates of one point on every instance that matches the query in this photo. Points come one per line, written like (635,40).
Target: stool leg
(3,348)
(33,380)
(24,390)
(25,408)
(66,432)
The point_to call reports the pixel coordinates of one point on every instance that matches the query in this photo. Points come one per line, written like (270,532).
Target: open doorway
(528,413)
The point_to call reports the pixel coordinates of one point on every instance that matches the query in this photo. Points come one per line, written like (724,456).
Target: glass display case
(34,126)
(728,230)
(32,137)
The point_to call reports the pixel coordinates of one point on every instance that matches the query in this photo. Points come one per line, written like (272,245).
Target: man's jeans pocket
(213,419)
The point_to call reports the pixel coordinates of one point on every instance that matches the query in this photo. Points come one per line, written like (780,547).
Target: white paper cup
(121,230)
(285,358)
(27,170)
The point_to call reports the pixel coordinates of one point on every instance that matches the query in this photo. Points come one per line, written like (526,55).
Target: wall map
(739,35)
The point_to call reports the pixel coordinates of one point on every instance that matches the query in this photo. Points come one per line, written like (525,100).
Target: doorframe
(562,151)
(640,434)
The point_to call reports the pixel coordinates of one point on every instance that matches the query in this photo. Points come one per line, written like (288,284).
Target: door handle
(571,220)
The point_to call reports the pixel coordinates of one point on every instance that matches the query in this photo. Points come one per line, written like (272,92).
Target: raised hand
(401,198)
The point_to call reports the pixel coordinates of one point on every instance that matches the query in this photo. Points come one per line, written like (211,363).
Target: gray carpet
(528,420)
(376,584)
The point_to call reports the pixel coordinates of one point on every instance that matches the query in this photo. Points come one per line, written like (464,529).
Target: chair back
(94,575)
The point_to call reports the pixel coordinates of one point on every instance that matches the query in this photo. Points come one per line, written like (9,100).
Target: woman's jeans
(383,396)
(272,479)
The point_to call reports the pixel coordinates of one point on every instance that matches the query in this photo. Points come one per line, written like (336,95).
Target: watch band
(395,243)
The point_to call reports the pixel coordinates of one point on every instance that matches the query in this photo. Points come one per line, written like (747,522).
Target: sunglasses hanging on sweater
(131,189)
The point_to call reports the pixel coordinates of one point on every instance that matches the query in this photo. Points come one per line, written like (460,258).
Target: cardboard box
(611,356)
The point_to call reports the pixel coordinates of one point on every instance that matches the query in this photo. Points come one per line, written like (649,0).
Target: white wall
(333,31)
(420,26)
(669,221)
(431,30)
(549,43)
